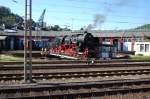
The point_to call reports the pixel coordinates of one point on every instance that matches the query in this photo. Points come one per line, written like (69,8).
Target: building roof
(108,33)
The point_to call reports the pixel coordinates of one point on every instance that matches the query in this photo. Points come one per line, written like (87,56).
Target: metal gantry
(28,42)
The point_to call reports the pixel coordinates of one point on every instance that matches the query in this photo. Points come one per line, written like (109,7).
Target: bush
(139,54)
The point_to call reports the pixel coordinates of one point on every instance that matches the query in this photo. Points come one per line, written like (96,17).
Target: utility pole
(72,24)
(28,42)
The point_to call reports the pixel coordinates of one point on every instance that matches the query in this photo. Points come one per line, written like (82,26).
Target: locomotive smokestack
(85,32)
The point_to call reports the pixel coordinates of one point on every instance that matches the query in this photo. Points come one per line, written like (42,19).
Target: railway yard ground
(76,79)
(74,49)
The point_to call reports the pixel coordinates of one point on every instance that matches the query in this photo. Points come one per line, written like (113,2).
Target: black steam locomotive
(78,45)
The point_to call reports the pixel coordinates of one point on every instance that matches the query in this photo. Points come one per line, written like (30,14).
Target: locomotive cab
(86,42)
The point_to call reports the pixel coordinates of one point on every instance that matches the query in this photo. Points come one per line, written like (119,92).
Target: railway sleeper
(73,91)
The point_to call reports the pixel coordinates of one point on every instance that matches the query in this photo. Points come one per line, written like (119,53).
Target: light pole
(28,47)
(72,23)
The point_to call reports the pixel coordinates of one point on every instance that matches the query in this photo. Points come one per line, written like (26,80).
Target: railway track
(74,71)
(64,74)
(42,61)
(74,90)
(47,73)
(79,65)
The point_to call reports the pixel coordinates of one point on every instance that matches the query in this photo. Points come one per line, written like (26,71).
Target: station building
(114,42)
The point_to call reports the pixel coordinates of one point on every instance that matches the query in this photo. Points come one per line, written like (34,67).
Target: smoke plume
(98,20)
(109,7)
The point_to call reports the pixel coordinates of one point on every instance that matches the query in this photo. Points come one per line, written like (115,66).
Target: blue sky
(119,14)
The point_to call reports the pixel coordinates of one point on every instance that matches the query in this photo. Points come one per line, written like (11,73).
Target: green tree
(4,11)
(9,21)
(146,26)
(56,28)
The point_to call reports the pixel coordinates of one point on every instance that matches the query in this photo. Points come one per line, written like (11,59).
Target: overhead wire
(87,13)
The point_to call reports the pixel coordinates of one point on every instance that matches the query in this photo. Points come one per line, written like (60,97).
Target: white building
(142,48)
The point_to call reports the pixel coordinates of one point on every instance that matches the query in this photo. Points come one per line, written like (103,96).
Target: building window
(141,47)
(139,40)
(129,40)
(125,40)
(146,47)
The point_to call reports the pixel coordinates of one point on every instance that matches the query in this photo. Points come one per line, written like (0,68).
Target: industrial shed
(121,41)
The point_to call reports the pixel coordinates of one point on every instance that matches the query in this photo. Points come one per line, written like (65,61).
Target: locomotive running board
(64,56)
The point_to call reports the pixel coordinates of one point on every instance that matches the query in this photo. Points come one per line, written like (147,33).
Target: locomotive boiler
(78,45)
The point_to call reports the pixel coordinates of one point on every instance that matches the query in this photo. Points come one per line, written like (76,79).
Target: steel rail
(72,90)
(70,61)
(74,74)
(68,66)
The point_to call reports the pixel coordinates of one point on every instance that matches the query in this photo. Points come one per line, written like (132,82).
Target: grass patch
(139,57)
(9,58)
